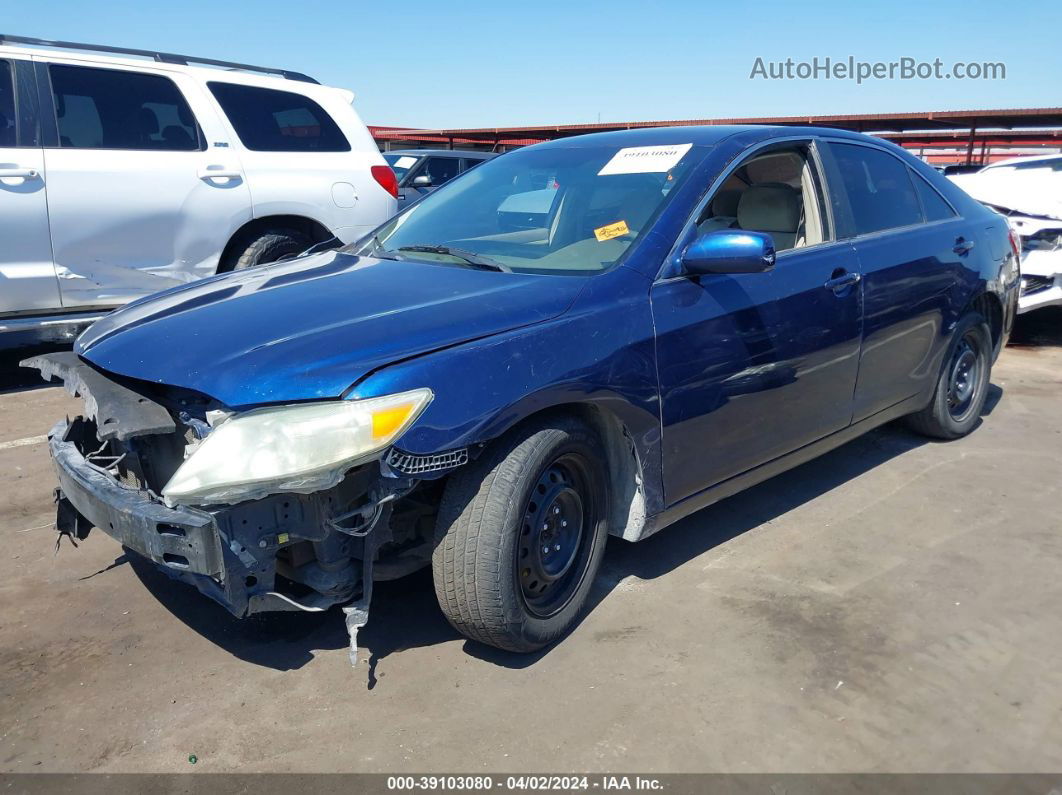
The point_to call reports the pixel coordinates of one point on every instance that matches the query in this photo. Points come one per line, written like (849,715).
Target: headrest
(770,207)
(147,122)
(726,203)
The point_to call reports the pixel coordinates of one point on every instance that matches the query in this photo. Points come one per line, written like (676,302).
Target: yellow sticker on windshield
(609,231)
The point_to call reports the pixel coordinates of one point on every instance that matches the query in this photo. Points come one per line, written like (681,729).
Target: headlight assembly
(302,448)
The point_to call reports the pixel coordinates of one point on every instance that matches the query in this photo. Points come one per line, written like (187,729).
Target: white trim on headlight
(301,448)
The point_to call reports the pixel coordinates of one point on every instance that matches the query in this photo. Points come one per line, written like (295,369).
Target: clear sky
(447,63)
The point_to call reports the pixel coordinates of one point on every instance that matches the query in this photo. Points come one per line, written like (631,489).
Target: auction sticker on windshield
(644,159)
(609,231)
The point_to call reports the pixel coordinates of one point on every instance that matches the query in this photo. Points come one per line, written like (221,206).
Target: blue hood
(310,328)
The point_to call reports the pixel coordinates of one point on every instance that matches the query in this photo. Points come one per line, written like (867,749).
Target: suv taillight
(386,177)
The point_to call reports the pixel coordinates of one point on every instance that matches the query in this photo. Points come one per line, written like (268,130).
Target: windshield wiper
(468,257)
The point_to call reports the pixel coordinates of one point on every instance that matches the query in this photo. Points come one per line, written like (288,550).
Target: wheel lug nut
(545,527)
(545,550)
(564,523)
(556,510)
(557,547)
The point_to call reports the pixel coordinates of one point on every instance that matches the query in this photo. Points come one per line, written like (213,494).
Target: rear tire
(961,389)
(520,535)
(270,245)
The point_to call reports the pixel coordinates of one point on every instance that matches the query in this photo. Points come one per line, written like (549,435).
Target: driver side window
(776,192)
(439,170)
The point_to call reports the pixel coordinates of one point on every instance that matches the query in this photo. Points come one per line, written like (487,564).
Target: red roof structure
(972,135)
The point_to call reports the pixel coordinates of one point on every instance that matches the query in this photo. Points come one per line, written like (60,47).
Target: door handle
(838,283)
(25,173)
(218,172)
(962,245)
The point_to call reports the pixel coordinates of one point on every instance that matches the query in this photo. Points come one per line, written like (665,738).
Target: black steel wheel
(520,535)
(964,375)
(961,389)
(554,546)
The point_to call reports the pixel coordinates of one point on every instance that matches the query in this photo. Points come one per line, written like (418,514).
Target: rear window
(267,120)
(936,209)
(879,188)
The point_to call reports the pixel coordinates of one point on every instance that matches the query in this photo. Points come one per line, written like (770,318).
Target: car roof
(700,135)
(443,152)
(1011,161)
(93,58)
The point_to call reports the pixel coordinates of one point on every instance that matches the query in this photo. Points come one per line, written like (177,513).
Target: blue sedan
(590,337)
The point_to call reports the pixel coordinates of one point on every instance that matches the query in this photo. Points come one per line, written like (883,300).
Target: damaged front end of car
(1027,193)
(1041,259)
(280,508)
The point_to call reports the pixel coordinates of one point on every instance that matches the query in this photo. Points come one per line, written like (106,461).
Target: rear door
(300,161)
(911,247)
(27,275)
(139,201)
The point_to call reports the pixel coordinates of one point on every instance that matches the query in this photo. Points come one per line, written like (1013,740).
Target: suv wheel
(962,385)
(520,535)
(269,245)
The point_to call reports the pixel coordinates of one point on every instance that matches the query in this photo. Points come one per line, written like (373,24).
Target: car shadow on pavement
(1040,328)
(405,614)
(717,524)
(20,379)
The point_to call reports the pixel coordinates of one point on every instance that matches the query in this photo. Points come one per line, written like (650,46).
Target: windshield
(552,210)
(401,164)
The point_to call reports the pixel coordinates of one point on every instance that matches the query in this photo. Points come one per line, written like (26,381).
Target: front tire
(962,386)
(520,535)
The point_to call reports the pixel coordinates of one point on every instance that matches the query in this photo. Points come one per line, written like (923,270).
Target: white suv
(121,176)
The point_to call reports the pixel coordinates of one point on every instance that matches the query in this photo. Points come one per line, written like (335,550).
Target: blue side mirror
(729,251)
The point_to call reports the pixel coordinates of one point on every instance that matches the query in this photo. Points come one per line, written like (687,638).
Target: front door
(141,199)
(27,276)
(438,170)
(753,366)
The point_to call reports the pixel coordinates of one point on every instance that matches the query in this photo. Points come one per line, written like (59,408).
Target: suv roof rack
(162,57)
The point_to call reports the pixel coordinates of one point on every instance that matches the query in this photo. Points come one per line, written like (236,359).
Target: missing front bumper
(282,552)
(275,554)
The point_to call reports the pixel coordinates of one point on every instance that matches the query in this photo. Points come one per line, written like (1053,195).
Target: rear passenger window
(935,208)
(879,188)
(7,105)
(278,121)
(112,109)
